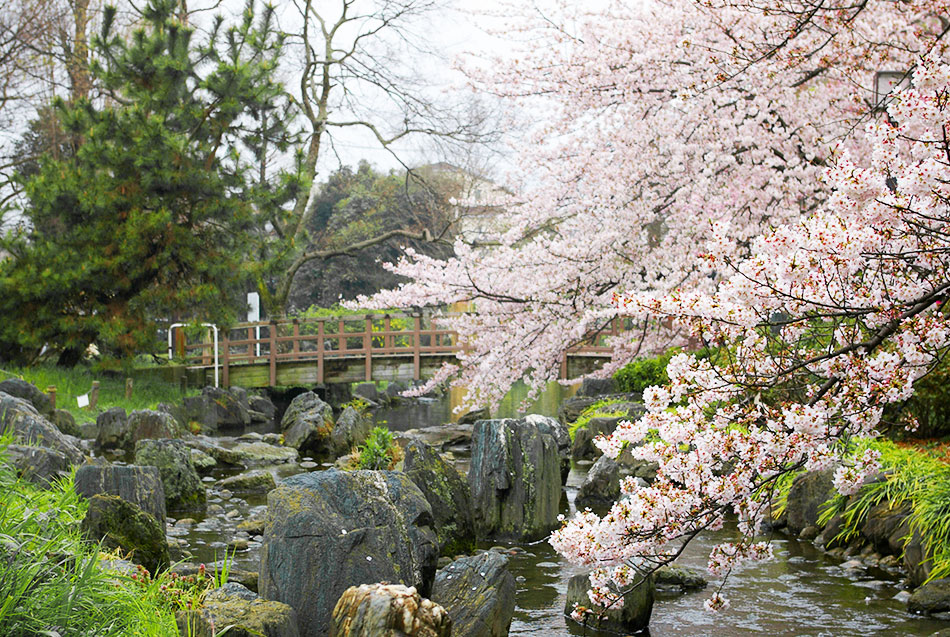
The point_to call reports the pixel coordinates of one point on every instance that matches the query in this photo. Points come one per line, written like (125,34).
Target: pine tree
(149,215)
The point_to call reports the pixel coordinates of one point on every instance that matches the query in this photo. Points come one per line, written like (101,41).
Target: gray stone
(597,387)
(65,422)
(601,487)
(395,389)
(330,530)
(515,480)
(141,486)
(583,445)
(351,430)
(261,409)
(367,391)
(242,611)
(112,428)
(571,409)
(308,424)
(30,393)
(118,431)
(561,435)
(918,561)
(932,597)
(183,488)
(38,464)
(809,491)
(203,462)
(259,481)
(28,427)
(448,495)
(472,417)
(121,525)
(633,616)
(885,527)
(479,594)
(388,610)
(213,410)
(243,453)
(685,579)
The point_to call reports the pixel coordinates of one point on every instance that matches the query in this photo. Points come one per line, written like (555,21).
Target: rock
(242,611)
(183,488)
(561,435)
(932,597)
(254,524)
(441,436)
(203,462)
(38,464)
(261,409)
(307,424)
(31,394)
(828,537)
(633,616)
(882,525)
(918,561)
(28,427)
(582,448)
(124,526)
(601,487)
(141,486)
(213,410)
(351,430)
(448,495)
(471,417)
(686,579)
(112,428)
(243,453)
(515,480)
(259,480)
(64,421)
(808,492)
(367,391)
(479,594)
(809,533)
(330,530)
(388,610)
(597,387)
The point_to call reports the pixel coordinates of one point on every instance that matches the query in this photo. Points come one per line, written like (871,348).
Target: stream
(800,592)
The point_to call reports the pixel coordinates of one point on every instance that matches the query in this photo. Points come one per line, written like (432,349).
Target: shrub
(379,452)
(643,373)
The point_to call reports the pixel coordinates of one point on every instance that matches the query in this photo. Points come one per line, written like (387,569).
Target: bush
(379,452)
(643,373)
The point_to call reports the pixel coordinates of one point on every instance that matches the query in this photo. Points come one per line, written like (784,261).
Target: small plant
(379,452)
(360,405)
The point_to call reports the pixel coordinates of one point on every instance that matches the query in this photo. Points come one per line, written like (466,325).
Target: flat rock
(243,612)
(479,594)
(141,486)
(258,481)
(388,610)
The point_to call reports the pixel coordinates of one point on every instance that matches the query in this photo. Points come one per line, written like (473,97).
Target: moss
(597,410)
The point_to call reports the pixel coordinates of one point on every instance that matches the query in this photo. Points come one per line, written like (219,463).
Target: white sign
(253,307)
(83,400)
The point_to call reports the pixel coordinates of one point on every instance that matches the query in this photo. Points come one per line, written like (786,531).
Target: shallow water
(800,592)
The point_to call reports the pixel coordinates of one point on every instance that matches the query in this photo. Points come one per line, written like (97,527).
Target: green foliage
(643,373)
(357,403)
(914,477)
(379,452)
(146,218)
(600,409)
(147,392)
(930,404)
(51,579)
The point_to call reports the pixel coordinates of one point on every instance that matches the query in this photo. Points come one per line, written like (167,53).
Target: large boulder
(330,530)
(886,527)
(30,393)
(561,435)
(597,387)
(112,426)
(571,409)
(141,486)
(918,559)
(242,453)
(367,391)
(932,597)
(601,487)
(388,610)
(256,481)
(38,464)
(27,426)
(448,495)
(261,409)
(213,410)
(479,594)
(808,492)
(633,616)
(118,431)
(121,525)
(66,423)
(243,612)
(515,480)
(308,424)
(183,488)
(351,430)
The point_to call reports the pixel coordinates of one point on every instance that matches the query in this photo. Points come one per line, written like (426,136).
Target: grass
(147,393)
(915,476)
(597,410)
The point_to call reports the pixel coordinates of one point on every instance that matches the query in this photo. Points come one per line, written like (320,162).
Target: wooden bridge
(306,352)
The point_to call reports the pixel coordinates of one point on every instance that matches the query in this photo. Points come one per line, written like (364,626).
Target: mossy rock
(184,490)
(121,525)
(242,611)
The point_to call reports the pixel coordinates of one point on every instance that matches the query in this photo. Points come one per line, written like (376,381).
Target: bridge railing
(354,337)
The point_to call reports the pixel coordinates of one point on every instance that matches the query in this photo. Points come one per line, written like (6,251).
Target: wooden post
(320,352)
(564,365)
(273,353)
(51,392)
(128,388)
(296,339)
(94,395)
(416,345)
(368,348)
(388,339)
(225,358)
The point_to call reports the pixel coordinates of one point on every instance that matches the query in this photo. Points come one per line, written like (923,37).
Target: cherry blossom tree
(722,171)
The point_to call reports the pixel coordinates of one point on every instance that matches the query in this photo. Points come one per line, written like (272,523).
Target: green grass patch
(916,477)
(147,393)
(600,409)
